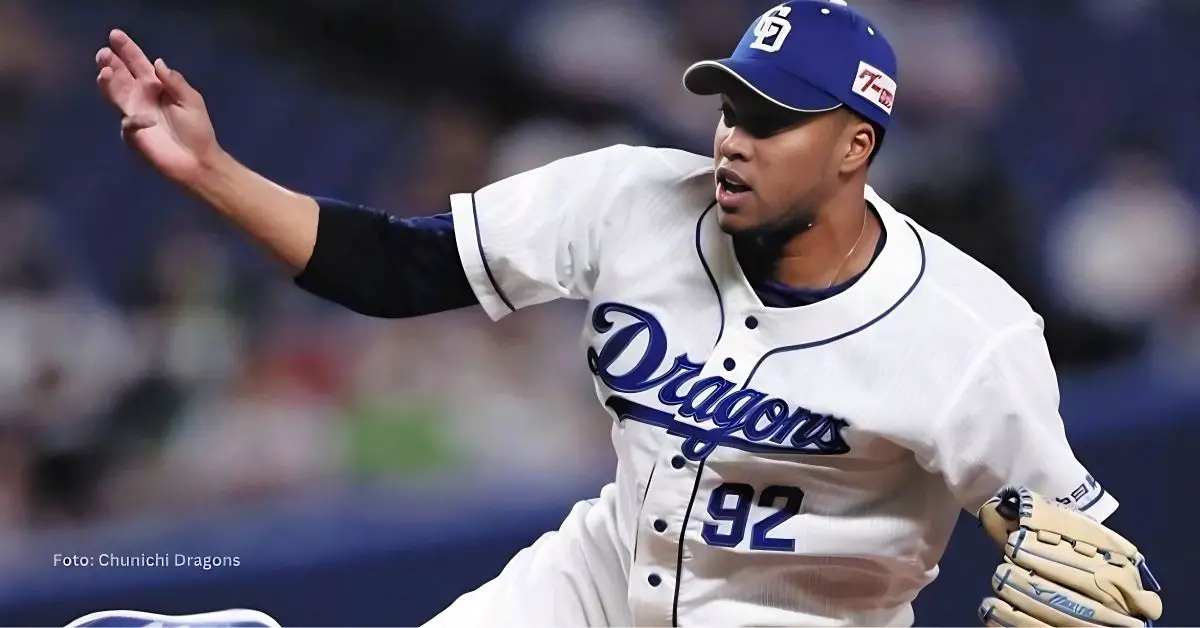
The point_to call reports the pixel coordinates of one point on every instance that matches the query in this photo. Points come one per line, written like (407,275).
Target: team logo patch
(879,88)
(708,412)
(772,29)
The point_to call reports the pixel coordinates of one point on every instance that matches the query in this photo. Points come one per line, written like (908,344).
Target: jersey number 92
(732,515)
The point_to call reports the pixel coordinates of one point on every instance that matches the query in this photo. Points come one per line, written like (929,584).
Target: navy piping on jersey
(483,256)
(687,513)
(846,334)
(641,509)
(687,517)
(708,271)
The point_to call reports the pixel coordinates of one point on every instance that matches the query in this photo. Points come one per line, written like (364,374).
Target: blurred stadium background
(165,389)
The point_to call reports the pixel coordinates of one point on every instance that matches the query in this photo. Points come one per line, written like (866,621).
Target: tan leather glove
(1062,568)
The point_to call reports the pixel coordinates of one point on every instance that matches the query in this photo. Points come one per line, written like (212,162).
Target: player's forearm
(282,221)
(357,257)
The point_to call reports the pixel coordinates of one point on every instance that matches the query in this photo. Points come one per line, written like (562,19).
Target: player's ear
(859,143)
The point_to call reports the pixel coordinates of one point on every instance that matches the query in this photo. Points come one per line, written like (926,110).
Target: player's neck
(839,245)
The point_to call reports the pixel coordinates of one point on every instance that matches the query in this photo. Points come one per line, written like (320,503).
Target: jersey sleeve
(536,236)
(1003,427)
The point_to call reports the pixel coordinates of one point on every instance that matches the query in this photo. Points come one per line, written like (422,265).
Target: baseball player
(805,385)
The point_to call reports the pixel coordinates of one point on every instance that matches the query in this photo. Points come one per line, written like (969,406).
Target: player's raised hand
(162,116)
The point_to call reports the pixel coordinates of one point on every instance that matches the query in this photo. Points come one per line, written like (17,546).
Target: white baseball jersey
(776,466)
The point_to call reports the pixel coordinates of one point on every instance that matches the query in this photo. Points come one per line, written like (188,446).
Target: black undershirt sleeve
(378,265)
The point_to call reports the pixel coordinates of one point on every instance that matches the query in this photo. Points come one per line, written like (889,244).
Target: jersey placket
(673,506)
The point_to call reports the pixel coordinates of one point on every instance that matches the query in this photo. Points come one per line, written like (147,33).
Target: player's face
(774,167)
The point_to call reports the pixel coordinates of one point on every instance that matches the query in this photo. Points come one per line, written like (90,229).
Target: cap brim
(765,79)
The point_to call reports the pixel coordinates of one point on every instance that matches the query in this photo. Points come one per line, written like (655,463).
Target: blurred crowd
(189,374)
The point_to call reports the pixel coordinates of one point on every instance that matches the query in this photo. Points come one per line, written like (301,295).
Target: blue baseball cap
(809,56)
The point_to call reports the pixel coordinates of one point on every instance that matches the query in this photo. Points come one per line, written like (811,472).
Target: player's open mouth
(731,188)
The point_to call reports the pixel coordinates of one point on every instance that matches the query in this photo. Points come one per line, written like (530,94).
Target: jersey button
(729,364)
(654,579)
(660,525)
(751,322)
(678,462)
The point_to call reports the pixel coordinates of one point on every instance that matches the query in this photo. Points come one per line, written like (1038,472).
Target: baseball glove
(1062,568)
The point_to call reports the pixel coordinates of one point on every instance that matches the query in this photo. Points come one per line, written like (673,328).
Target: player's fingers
(132,124)
(111,67)
(177,86)
(110,83)
(130,54)
(106,58)
(116,84)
